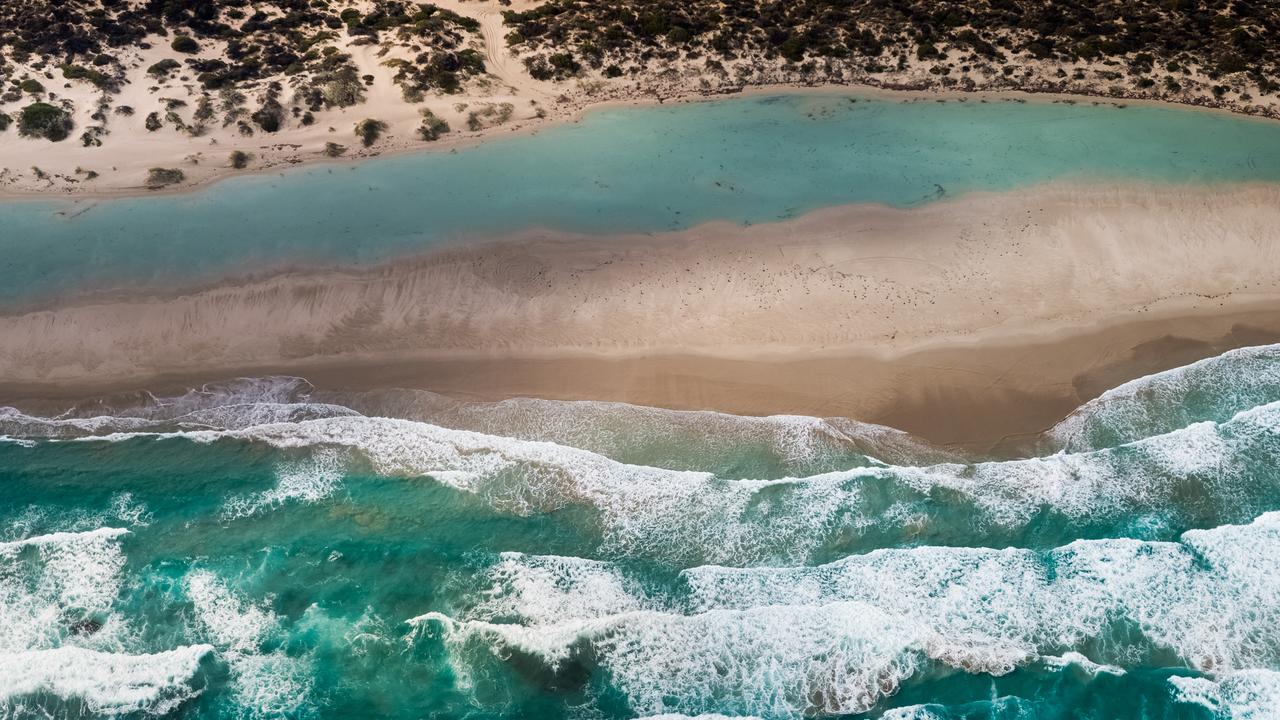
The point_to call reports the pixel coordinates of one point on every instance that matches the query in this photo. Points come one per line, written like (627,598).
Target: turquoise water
(264,549)
(748,160)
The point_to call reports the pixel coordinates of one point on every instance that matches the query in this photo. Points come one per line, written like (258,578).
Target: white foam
(1211,599)
(1244,695)
(685,515)
(108,683)
(309,480)
(997,707)
(912,712)
(705,716)
(543,589)
(266,683)
(271,390)
(223,406)
(655,436)
(17,424)
(48,582)
(673,439)
(127,509)
(1075,659)
(774,661)
(122,509)
(230,623)
(1212,389)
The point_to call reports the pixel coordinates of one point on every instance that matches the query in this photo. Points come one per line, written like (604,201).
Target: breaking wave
(1213,389)
(724,444)
(838,638)
(106,683)
(1201,475)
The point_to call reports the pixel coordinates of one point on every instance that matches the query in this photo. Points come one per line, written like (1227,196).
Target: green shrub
(793,48)
(31,86)
(333,149)
(341,88)
(160,177)
(44,120)
(489,116)
(185,44)
(270,116)
(369,130)
(80,72)
(240,159)
(4,121)
(1232,63)
(564,63)
(432,126)
(163,67)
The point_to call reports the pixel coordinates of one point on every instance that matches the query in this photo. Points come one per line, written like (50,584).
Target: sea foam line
(696,517)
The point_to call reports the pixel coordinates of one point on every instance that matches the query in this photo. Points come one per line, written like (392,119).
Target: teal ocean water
(748,160)
(261,548)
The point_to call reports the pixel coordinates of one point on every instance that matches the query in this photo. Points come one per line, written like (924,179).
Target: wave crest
(838,638)
(1213,389)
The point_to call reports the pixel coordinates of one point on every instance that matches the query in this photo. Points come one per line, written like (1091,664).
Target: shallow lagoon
(644,169)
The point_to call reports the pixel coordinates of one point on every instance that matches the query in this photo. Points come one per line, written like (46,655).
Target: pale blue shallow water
(749,160)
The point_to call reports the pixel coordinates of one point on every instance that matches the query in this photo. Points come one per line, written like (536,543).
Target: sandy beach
(973,321)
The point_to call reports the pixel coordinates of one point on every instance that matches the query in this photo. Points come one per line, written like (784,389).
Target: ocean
(261,548)
(264,548)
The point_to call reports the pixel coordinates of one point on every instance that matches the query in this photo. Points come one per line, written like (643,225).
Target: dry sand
(971,322)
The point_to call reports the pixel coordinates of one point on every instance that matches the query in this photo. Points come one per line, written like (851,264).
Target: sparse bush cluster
(42,120)
(161,177)
(441,71)
(262,40)
(432,127)
(91,75)
(369,130)
(489,116)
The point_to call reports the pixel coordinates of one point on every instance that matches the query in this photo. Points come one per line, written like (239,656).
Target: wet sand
(977,398)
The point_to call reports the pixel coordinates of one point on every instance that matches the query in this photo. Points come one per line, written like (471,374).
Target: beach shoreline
(974,322)
(987,397)
(205,177)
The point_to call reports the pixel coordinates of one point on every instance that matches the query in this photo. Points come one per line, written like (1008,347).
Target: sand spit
(1048,294)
